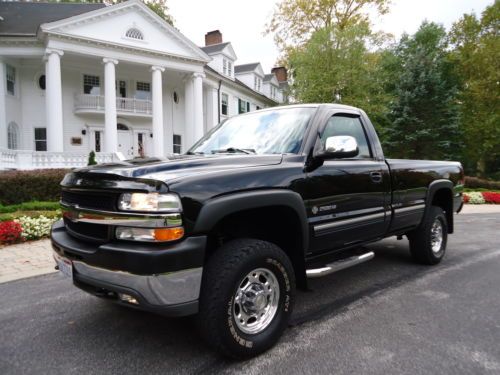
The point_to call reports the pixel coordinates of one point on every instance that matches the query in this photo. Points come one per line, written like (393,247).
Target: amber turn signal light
(168,234)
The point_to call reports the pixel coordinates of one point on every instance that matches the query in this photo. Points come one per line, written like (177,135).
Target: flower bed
(25,228)
(476,197)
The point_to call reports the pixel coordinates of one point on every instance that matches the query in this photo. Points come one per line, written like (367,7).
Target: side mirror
(340,146)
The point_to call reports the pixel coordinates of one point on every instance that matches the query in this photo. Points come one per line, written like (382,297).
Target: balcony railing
(25,159)
(95,103)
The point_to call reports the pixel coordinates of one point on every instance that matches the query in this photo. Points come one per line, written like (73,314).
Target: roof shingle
(214,48)
(24,18)
(245,67)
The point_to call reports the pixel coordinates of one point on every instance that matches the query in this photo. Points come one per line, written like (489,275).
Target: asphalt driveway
(386,316)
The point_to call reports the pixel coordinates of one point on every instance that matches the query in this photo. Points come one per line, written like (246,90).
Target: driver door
(347,199)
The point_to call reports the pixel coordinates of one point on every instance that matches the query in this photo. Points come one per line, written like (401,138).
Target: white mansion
(118,80)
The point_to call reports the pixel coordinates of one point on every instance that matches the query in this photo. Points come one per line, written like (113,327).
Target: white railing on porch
(25,159)
(127,105)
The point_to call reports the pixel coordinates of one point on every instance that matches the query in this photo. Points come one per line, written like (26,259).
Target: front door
(347,199)
(125,144)
(140,144)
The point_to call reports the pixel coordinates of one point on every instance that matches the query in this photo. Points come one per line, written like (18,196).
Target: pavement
(26,260)
(385,316)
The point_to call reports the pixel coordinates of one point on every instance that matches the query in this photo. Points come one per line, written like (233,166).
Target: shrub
(475,198)
(34,228)
(92,160)
(26,186)
(491,197)
(475,183)
(10,232)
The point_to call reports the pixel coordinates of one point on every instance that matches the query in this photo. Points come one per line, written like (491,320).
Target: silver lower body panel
(159,290)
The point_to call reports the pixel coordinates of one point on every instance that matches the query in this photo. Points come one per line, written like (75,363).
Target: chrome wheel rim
(256,301)
(436,236)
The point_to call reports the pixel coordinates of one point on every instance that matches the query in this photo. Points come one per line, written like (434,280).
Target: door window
(347,125)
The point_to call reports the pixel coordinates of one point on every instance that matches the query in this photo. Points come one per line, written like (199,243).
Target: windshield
(268,132)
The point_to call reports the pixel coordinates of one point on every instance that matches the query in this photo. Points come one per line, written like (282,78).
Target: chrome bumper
(153,291)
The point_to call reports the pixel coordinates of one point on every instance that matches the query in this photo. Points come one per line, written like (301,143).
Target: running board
(339,265)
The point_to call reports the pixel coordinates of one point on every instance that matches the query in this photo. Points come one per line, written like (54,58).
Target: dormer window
(134,33)
(257,82)
(224,67)
(229,69)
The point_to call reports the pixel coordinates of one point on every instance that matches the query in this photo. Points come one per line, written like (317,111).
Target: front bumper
(162,280)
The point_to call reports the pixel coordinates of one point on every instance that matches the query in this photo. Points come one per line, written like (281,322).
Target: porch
(94,104)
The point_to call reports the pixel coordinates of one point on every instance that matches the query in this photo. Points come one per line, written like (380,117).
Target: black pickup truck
(263,202)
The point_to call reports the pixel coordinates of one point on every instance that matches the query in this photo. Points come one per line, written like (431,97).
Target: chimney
(281,73)
(213,37)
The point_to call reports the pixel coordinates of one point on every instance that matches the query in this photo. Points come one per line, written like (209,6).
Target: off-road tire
(421,239)
(222,276)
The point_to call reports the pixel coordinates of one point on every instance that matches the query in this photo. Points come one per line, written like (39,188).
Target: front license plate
(65,266)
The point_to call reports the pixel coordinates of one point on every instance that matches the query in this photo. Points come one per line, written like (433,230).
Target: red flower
(491,197)
(466,198)
(10,232)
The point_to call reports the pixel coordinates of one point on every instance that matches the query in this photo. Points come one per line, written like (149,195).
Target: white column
(3,109)
(188,113)
(53,100)
(110,132)
(213,120)
(198,106)
(158,138)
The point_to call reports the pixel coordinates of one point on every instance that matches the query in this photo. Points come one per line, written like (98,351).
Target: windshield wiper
(195,153)
(234,150)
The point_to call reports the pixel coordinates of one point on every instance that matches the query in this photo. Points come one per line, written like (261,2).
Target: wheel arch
(257,213)
(440,194)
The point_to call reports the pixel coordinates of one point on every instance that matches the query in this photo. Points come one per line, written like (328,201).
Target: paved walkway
(26,260)
(35,258)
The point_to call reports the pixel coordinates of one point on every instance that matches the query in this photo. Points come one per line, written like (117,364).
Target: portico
(71,47)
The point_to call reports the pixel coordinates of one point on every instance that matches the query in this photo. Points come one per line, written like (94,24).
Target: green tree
(295,21)
(477,60)
(336,66)
(424,114)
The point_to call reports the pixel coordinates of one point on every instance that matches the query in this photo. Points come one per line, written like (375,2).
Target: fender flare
(217,208)
(431,191)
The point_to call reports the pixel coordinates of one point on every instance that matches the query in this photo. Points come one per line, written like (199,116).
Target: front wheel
(428,241)
(247,297)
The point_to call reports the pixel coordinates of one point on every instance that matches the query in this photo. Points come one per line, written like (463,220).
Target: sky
(242,22)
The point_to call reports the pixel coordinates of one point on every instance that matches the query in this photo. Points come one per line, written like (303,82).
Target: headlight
(151,202)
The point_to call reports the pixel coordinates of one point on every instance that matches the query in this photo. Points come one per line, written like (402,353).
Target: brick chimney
(213,37)
(281,73)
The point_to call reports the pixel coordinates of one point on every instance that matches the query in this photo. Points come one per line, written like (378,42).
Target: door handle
(376,177)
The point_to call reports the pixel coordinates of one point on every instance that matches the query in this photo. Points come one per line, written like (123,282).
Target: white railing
(24,159)
(125,105)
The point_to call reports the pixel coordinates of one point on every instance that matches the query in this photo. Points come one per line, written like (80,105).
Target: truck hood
(167,170)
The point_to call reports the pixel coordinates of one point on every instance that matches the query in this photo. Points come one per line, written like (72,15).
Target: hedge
(26,186)
(481,183)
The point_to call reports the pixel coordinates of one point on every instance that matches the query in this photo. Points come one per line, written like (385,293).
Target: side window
(346,125)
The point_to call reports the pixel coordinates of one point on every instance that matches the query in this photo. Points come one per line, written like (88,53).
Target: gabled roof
(214,48)
(246,68)
(225,48)
(24,18)
(271,78)
(87,21)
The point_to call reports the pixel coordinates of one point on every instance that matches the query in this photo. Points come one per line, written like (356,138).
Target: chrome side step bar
(339,265)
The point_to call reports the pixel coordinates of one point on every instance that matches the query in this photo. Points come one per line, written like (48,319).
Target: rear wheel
(428,241)
(247,297)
